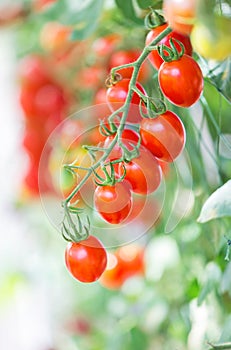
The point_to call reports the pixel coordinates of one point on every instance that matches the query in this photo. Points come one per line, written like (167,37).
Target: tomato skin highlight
(163,136)
(86,260)
(181,81)
(143,172)
(117,94)
(113,203)
(154,56)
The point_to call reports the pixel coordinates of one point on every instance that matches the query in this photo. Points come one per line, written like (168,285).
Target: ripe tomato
(33,142)
(113,203)
(125,262)
(163,136)
(124,57)
(180,14)
(34,72)
(154,56)
(213,44)
(181,81)
(42,102)
(117,94)
(86,260)
(143,172)
(112,277)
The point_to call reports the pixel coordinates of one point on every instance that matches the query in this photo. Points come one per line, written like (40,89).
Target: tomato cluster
(141,150)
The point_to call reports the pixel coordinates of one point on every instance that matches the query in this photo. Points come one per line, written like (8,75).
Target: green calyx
(169,54)
(153,19)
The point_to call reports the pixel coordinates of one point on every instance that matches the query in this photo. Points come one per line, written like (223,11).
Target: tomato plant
(181,81)
(113,203)
(86,260)
(164,136)
(154,56)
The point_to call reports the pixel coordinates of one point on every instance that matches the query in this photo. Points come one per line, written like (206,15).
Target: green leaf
(220,77)
(127,8)
(144,4)
(217,205)
(85,20)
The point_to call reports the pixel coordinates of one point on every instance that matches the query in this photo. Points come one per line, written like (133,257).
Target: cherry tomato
(124,263)
(33,141)
(143,172)
(112,277)
(34,72)
(116,96)
(180,14)
(113,203)
(154,56)
(181,81)
(213,44)
(86,260)
(42,102)
(120,58)
(163,136)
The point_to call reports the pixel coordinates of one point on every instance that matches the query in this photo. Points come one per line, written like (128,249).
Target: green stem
(222,346)
(214,122)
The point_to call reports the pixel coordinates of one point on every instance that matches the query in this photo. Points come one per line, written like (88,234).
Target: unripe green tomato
(212,43)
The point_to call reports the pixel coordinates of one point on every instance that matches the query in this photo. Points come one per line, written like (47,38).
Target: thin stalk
(222,346)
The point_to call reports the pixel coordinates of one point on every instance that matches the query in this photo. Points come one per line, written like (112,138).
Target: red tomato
(143,172)
(164,136)
(117,94)
(104,46)
(42,102)
(33,72)
(181,81)
(165,167)
(33,142)
(154,56)
(138,203)
(120,58)
(126,262)
(113,203)
(86,260)
(180,14)
(112,277)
